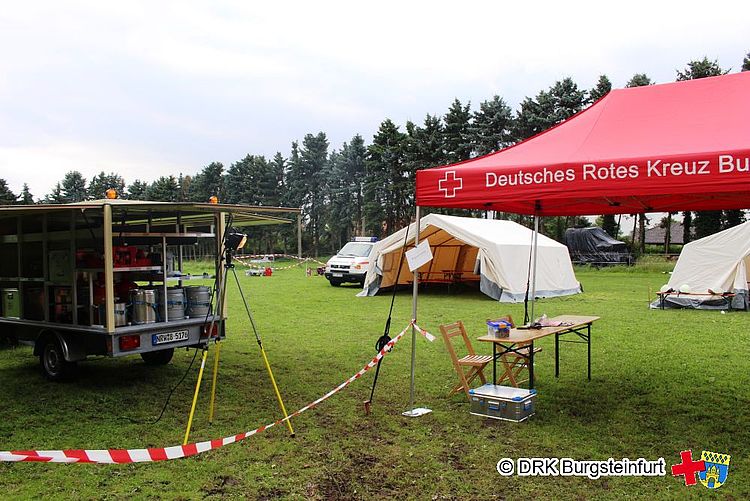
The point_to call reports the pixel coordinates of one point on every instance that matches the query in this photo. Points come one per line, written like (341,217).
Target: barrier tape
(117,456)
(288,256)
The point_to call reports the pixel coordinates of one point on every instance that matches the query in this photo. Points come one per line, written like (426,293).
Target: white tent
(711,266)
(495,253)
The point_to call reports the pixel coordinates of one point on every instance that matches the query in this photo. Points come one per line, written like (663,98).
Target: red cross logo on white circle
(450,184)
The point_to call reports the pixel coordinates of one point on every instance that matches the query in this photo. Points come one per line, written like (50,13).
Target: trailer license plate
(337,275)
(169,337)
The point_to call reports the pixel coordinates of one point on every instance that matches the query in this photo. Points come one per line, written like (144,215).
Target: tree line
(368,189)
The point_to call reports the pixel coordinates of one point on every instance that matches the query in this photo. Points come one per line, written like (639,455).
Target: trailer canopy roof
(165,212)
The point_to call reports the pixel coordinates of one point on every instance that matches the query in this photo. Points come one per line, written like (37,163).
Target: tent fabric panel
(715,262)
(669,147)
(503,249)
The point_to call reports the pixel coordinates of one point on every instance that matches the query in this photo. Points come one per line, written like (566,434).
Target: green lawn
(662,382)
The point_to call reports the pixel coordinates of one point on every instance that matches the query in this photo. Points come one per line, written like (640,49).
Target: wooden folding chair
(514,363)
(474,362)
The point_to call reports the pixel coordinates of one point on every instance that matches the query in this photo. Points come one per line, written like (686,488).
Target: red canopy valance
(670,147)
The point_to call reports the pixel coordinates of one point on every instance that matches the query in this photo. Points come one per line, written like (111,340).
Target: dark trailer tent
(594,246)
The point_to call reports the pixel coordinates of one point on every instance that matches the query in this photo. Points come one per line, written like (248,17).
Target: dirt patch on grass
(351,478)
(221,484)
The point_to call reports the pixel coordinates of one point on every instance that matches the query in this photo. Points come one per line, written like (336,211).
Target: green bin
(11,303)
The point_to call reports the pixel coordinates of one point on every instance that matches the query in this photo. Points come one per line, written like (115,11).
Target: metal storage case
(502,402)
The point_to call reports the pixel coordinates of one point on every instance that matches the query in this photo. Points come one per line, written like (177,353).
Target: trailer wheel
(53,363)
(161,357)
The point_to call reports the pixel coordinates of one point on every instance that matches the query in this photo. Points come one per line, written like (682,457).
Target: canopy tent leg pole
(412,412)
(533,266)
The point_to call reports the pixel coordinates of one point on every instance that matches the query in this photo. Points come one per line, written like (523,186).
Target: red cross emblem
(688,467)
(450,184)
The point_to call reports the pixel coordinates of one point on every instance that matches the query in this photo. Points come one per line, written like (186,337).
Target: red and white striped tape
(114,456)
(288,256)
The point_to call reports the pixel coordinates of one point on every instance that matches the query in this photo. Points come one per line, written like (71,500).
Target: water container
(143,304)
(175,302)
(198,301)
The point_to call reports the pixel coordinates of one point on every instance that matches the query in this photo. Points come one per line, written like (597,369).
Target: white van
(350,263)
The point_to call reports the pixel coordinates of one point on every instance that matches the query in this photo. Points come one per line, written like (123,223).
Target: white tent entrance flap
(491,253)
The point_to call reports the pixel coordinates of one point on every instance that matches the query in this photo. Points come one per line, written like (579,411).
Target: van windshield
(356,249)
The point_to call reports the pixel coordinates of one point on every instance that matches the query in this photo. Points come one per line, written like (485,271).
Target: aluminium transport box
(502,402)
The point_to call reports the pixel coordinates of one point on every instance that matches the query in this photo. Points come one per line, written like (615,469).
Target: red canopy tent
(669,147)
(661,148)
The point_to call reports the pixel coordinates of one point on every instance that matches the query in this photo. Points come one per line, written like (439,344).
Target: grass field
(662,382)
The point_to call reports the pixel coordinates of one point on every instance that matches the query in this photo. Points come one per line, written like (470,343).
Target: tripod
(220,294)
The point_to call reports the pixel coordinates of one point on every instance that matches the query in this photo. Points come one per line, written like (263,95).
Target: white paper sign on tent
(419,255)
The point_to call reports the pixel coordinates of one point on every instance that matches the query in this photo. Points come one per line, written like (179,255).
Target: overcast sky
(147,89)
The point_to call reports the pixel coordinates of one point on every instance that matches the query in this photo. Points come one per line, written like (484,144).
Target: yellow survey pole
(195,397)
(213,384)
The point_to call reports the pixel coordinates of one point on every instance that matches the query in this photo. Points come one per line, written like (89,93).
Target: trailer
(105,277)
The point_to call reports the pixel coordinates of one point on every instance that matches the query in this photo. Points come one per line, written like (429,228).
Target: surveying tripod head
(234,240)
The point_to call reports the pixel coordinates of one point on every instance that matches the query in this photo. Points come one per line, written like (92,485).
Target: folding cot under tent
(492,252)
(709,267)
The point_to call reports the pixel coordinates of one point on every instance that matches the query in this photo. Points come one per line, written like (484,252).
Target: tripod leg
(213,384)
(276,389)
(195,397)
(263,352)
(219,309)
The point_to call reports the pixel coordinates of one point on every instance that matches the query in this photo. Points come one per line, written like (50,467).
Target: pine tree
(609,224)
(56,197)
(7,197)
(74,187)
(138,190)
(294,179)
(733,218)
(492,127)
(102,182)
(244,180)
(603,87)
(26,198)
(207,183)
(164,189)
(313,158)
(387,191)
(457,137)
(273,183)
(530,120)
(746,63)
(701,68)
(338,215)
(639,80)
(560,102)
(706,222)
(353,166)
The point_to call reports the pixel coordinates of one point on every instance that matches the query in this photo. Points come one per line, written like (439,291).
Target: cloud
(44,164)
(131,84)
